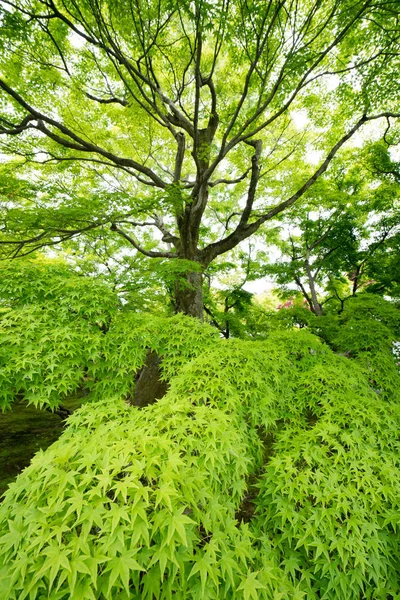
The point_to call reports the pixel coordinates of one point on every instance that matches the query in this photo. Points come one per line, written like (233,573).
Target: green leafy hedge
(270,469)
(365,331)
(52,324)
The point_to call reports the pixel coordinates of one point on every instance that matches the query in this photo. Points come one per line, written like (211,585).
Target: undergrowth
(270,469)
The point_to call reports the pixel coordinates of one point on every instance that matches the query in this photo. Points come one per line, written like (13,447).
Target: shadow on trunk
(149,387)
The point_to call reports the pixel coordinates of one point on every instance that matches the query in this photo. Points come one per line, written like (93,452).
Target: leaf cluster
(268,470)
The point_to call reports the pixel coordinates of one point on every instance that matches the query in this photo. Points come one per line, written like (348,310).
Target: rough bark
(188,299)
(61,411)
(149,387)
(355,278)
(189,295)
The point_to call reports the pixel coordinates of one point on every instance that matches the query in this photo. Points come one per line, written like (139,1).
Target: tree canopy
(343,237)
(165,117)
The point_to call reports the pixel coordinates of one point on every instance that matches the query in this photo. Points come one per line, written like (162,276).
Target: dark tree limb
(245,230)
(134,243)
(255,175)
(77,143)
(299,283)
(180,155)
(212,184)
(113,100)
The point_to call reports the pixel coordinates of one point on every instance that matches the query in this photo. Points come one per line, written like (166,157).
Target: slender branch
(78,142)
(304,292)
(15,129)
(134,243)
(320,239)
(325,256)
(244,230)
(311,283)
(112,100)
(40,241)
(214,320)
(229,181)
(255,175)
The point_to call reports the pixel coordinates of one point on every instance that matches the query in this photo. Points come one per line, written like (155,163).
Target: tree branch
(255,175)
(243,231)
(180,155)
(78,143)
(122,101)
(229,181)
(134,243)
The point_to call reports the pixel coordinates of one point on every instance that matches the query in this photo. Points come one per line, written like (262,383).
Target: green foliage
(328,498)
(344,236)
(116,128)
(296,316)
(268,470)
(366,330)
(176,340)
(52,325)
(46,281)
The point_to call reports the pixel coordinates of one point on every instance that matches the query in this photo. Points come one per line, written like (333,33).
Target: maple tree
(159,116)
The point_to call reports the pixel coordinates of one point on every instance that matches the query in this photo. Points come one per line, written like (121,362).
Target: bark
(149,387)
(61,411)
(317,308)
(304,292)
(355,277)
(226,311)
(189,295)
(188,299)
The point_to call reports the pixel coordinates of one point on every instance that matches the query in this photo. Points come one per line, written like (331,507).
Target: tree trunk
(188,299)
(355,279)
(149,387)
(189,295)
(317,308)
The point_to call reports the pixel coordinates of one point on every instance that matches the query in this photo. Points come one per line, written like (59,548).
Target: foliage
(343,237)
(366,331)
(366,328)
(171,126)
(268,470)
(176,340)
(227,304)
(52,323)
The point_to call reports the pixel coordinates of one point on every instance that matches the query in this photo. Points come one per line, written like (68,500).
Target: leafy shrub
(46,281)
(329,497)
(52,324)
(365,331)
(176,340)
(270,469)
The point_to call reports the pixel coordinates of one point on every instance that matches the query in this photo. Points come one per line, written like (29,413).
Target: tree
(332,245)
(381,266)
(163,113)
(309,255)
